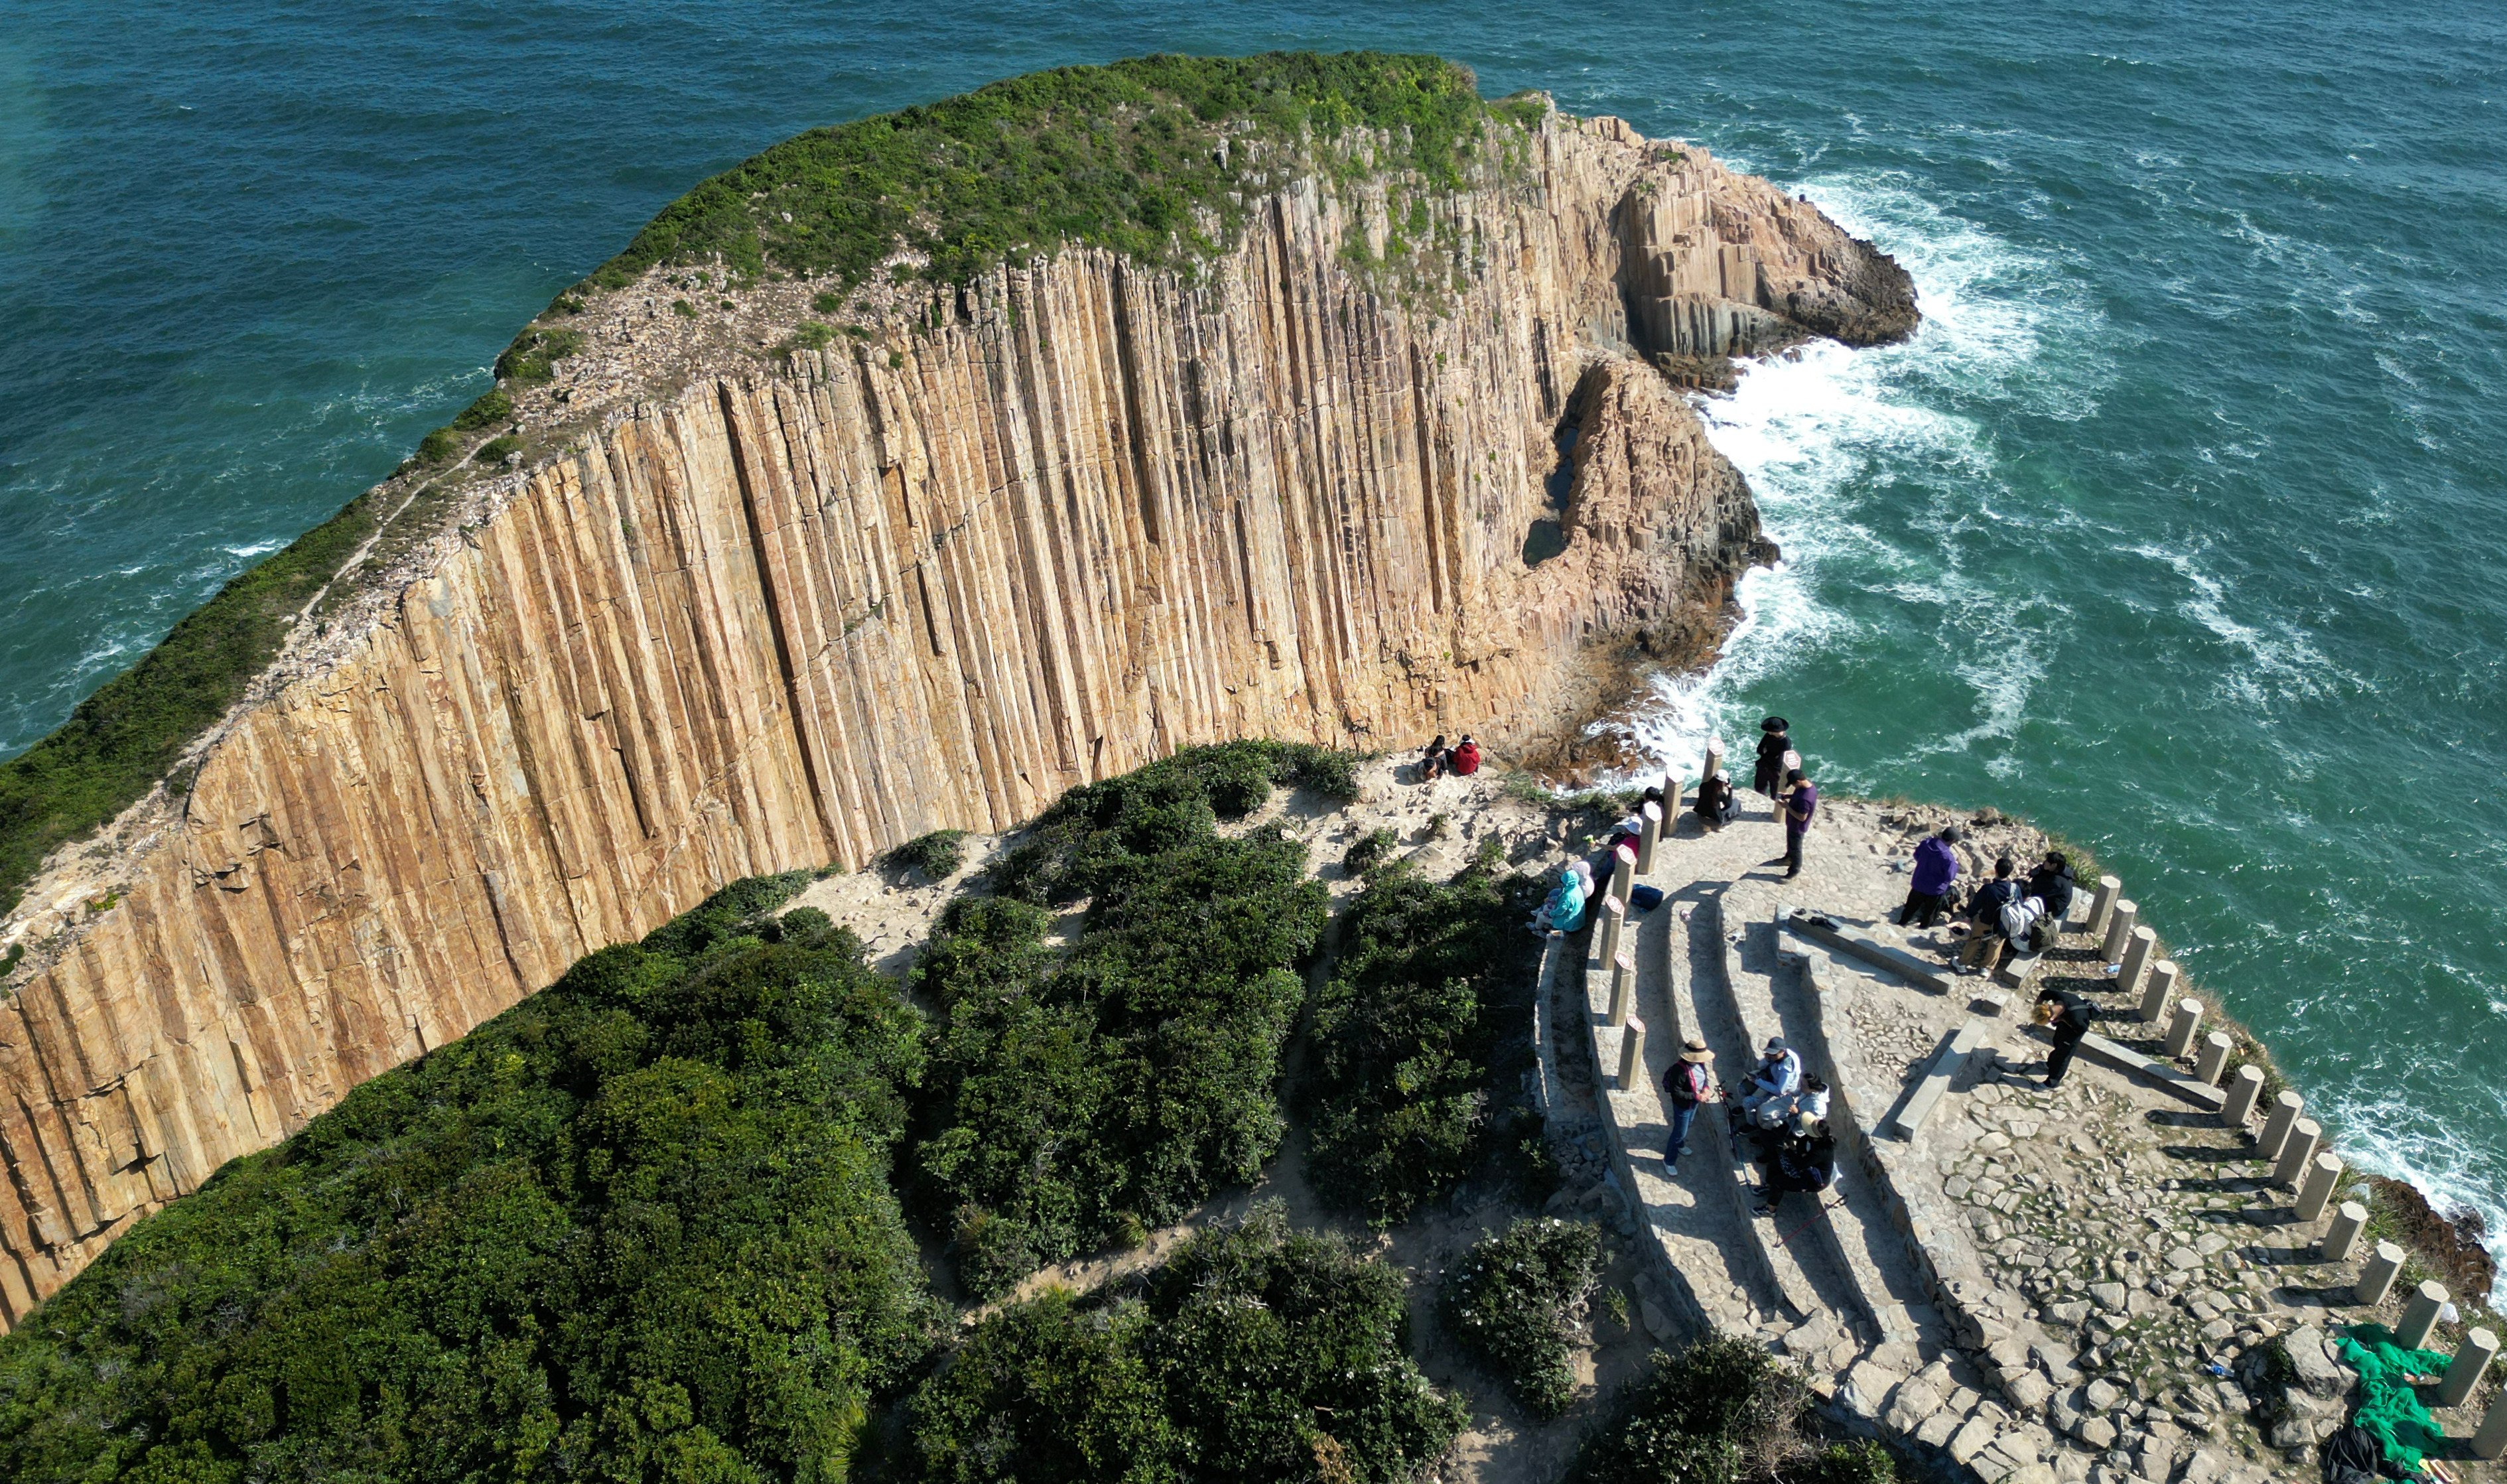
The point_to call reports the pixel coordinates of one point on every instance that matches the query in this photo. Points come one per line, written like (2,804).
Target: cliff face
(780,618)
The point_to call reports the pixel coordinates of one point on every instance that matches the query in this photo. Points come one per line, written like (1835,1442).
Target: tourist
(1630,831)
(1984,915)
(1466,757)
(1806,1161)
(1433,762)
(1714,805)
(1776,739)
(2053,885)
(1936,869)
(1811,1102)
(1685,1086)
(1564,909)
(2067,1015)
(1800,802)
(1778,1075)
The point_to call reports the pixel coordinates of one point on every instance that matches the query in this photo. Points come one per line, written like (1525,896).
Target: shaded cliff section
(792,614)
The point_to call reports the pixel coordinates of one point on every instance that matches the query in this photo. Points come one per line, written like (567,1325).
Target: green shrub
(1721,1410)
(1408,1036)
(1252,1355)
(814,335)
(126,737)
(638,1226)
(494,449)
(492,408)
(1137,157)
(1517,1301)
(1368,852)
(1101,827)
(827,303)
(437,447)
(1074,1102)
(682,308)
(937,854)
(532,359)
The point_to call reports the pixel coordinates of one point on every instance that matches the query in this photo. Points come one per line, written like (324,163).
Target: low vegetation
(637,1227)
(1407,1038)
(121,740)
(1081,1100)
(937,856)
(1252,1355)
(1518,1303)
(1158,157)
(1722,1411)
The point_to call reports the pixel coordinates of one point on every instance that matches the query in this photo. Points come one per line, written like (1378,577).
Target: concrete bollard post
(2180,1031)
(1606,931)
(2316,1192)
(1624,872)
(2277,1124)
(2158,991)
(2101,904)
(2419,1315)
(1631,1054)
(2243,1089)
(1623,987)
(2137,950)
(2376,1276)
(2344,1234)
(2492,1441)
(2295,1153)
(2214,1059)
(1647,837)
(2463,1372)
(1714,762)
(2119,925)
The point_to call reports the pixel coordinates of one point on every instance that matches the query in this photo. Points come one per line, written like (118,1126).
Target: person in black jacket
(1806,1161)
(1776,739)
(2067,1015)
(2052,883)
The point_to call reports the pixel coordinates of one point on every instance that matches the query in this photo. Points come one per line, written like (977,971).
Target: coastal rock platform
(2099,1282)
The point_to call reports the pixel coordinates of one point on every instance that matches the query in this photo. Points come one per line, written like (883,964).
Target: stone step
(1799,1240)
(1685,1219)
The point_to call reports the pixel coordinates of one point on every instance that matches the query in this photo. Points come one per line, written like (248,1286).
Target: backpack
(2020,918)
(1644,898)
(2351,1456)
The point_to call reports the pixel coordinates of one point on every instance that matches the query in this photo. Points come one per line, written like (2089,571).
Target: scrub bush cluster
(1157,158)
(1252,1355)
(1517,1301)
(937,854)
(1407,1038)
(637,1227)
(1083,1099)
(1722,1411)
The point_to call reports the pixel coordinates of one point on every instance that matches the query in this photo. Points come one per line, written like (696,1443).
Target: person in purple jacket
(1937,868)
(1800,802)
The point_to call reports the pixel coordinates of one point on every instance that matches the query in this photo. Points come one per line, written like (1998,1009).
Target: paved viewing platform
(2096,1282)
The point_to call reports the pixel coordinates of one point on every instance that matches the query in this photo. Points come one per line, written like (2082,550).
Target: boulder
(2317,1370)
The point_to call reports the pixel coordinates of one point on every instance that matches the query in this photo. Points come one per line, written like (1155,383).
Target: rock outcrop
(788,614)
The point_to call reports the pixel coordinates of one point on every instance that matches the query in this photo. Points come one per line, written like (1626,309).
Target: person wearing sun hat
(1686,1085)
(1776,739)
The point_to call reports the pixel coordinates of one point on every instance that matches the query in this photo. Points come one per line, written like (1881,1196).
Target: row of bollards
(2293,1143)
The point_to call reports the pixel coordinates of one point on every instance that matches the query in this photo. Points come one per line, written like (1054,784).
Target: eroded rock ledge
(763,618)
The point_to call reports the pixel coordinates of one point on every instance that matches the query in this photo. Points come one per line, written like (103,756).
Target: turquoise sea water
(2178,526)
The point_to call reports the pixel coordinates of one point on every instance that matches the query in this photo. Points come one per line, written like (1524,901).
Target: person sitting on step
(1984,906)
(2052,883)
(1778,1075)
(1466,758)
(1806,1161)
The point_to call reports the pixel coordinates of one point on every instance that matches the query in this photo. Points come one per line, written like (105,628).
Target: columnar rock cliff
(788,613)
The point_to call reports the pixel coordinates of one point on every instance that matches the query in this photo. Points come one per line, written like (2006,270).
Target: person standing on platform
(1776,739)
(1686,1087)
(1936,869)
(2067,1015)
(1800,802)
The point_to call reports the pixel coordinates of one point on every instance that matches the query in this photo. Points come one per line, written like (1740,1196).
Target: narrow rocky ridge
(780,614)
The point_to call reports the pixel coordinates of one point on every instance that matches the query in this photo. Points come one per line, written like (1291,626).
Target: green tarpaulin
(2389,1408)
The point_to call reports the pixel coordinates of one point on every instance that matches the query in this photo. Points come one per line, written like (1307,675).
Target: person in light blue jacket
(1564,911)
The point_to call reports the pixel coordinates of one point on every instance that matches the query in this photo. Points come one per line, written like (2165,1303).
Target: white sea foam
(1819,430)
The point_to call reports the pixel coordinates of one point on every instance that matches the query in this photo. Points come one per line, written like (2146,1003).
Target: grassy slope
(1124,157)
